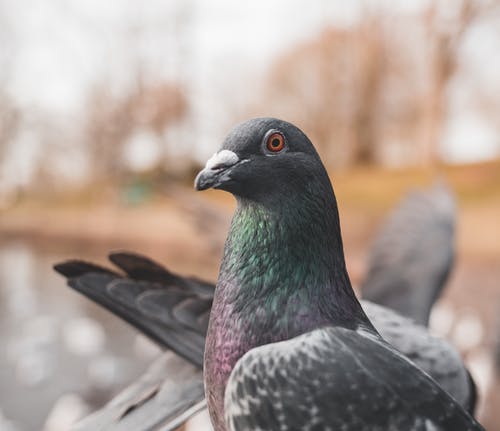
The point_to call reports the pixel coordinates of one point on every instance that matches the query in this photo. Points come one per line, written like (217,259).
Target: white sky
(54,51)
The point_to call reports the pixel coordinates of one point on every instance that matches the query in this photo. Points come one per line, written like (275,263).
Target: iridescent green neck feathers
(288,251)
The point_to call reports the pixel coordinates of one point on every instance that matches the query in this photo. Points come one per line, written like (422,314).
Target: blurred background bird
(108,110)
(412,255)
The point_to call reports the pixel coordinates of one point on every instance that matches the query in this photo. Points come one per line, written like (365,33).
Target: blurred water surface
(61,356)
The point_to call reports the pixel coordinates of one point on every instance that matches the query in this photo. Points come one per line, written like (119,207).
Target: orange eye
(275,142)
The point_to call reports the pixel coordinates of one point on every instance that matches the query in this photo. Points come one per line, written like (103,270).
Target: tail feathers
(168,394)
(75,268)
(142,268)
(166,307)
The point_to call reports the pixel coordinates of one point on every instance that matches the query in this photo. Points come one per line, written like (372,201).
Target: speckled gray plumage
(336,379)
(434,355)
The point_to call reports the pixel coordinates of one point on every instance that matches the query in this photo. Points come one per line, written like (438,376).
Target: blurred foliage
(112,121)
(376,92)
(9,121)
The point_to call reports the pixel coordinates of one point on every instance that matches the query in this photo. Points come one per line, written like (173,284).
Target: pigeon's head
(261,159)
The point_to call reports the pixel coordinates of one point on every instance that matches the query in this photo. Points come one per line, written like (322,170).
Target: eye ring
(275,142)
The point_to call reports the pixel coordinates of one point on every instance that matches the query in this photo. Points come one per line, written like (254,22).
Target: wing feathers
(340,379)
(164,306)
(142,268)
(168,393)
(75,268)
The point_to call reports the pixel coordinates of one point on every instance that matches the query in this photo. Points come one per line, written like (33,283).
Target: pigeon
(283,293)
(147,295)
(288,344)
(412,255)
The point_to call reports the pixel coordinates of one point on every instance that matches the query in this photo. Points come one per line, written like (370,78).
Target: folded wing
(336,378)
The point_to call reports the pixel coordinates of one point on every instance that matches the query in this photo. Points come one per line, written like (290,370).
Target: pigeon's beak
(217,170)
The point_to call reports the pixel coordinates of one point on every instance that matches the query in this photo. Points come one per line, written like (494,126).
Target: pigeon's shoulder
(336,378)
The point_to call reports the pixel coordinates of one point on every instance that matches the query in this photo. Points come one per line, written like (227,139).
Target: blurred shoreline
(180,218)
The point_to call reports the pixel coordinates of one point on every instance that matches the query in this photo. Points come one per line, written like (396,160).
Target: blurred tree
(9,113)
(9,122)
(445,27)
(149,98)
(111,121)
(331,87)
(375,91)
(372,63)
